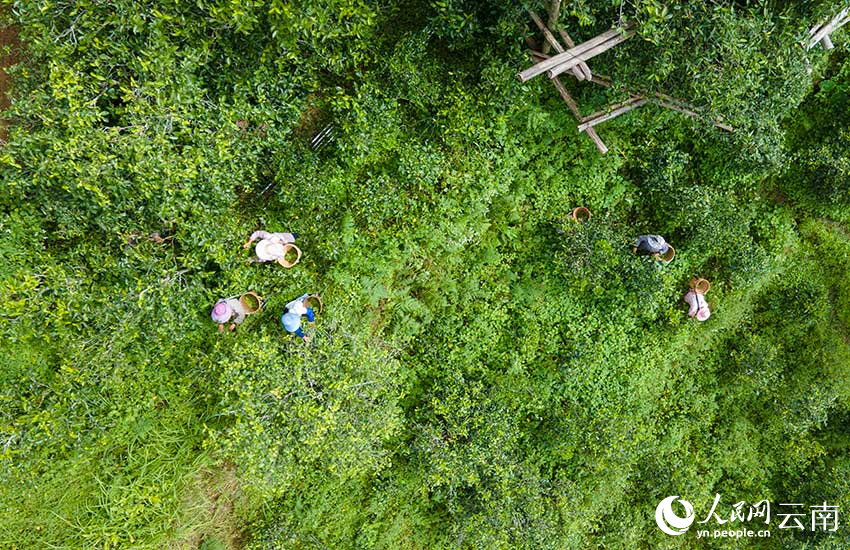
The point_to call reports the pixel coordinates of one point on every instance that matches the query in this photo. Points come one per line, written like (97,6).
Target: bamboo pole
(568,99)
(594,137)
(837,20)
(601,80)
(570,54)
(632,99)
(588,53)
(669,103)
(568,40)
(624,107)
(834,22)
(591,133)
(554,9)
(820,33)
(678,102)
(692,114)
(666,101)
(551,40)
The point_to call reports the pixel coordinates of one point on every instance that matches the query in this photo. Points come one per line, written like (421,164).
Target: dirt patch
(777,196)
(836,320)
(312,118)
(379,317)
(9,47)
(210,522)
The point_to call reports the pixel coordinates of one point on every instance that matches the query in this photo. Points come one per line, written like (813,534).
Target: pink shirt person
(698,306)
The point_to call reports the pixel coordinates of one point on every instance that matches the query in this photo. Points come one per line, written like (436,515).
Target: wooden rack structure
(575,61)
(819,34)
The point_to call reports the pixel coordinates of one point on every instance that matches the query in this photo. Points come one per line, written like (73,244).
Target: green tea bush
(486,372)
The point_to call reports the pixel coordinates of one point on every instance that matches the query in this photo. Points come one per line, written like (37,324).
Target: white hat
(269,251)
(297,305)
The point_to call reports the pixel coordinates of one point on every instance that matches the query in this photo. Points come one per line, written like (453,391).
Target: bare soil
(8,37)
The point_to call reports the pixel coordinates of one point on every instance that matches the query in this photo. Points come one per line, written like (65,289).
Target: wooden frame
(575,60)
(820,34)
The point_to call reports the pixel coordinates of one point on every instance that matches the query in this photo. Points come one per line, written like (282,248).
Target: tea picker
(695,298)
(234,310)
(293,311)
(274,247)
(655,246)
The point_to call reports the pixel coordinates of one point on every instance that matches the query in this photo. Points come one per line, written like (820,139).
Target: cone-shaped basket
(700,285)
(580,214)
(668,256)
(287,248)
(251,303)
(315,298)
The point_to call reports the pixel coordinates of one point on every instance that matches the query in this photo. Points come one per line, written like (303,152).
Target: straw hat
(269,251)
(221,312)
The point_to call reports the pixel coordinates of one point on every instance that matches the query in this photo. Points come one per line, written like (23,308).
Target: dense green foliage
(486,373)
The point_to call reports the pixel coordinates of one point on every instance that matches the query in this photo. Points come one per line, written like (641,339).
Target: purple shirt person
(226,310)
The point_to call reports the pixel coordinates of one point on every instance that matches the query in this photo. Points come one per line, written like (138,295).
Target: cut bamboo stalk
(594,137)
(668,102)
(554,9)
(818,36)
(568,99)
(676,106)
(551,40)
(556,60)
(837,20)
(591,133)
(834,22)
(568,40)
(597,114)
(693,114)
(818,33)
(678,102)
(587,54)
(565,95)
(826,43)
(665,101)
(601,80)
(623,108)
(530,42)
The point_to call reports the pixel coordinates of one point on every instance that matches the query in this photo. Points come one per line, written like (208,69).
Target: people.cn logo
(668,521)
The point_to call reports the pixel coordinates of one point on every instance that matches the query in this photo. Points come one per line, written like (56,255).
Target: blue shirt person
(292,313)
